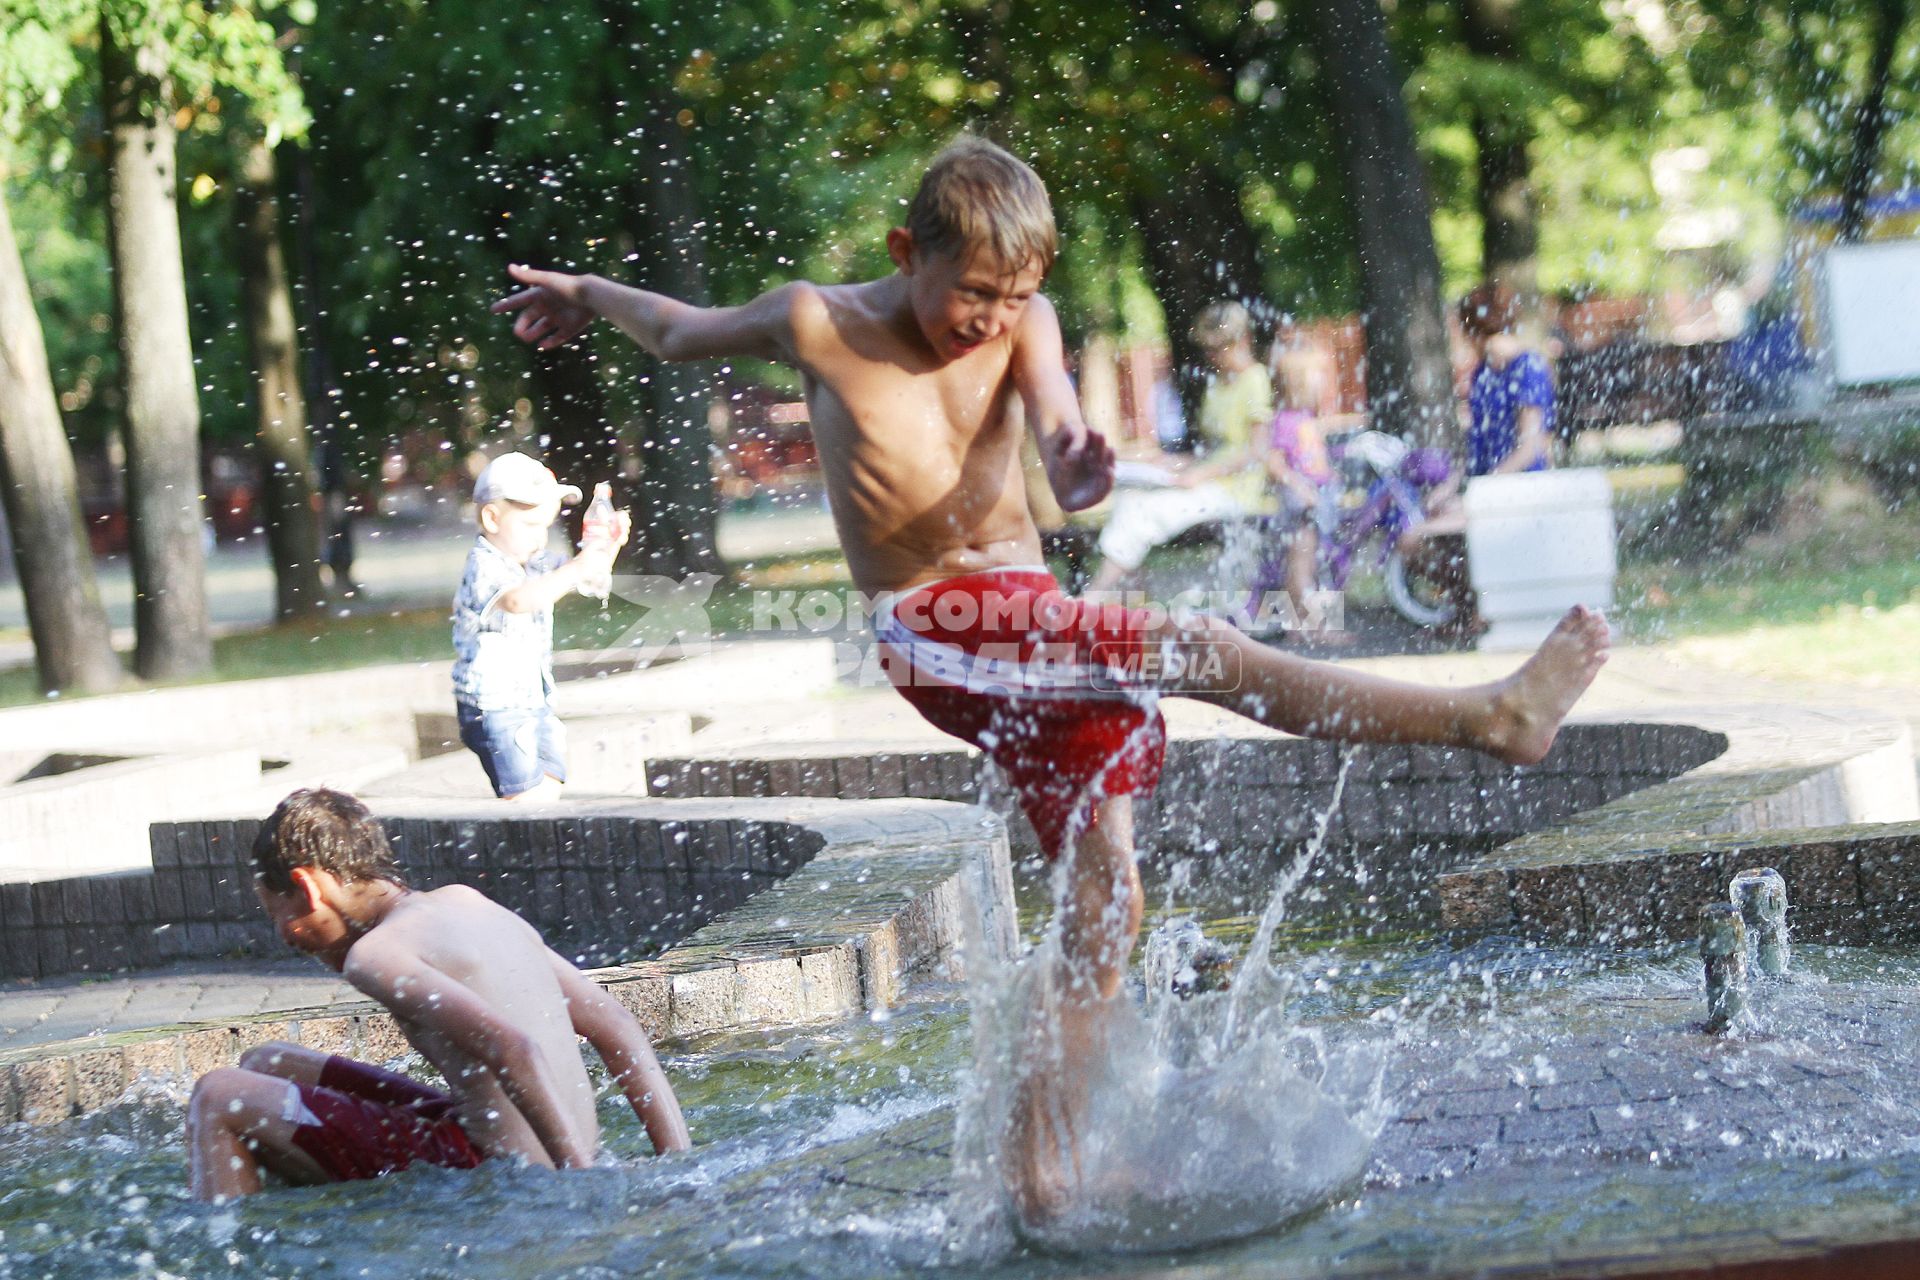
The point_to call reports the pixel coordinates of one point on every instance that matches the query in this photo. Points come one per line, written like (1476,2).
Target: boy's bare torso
(921,456)
(501,959)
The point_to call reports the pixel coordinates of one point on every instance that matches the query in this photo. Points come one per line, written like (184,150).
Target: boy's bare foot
(1529,705)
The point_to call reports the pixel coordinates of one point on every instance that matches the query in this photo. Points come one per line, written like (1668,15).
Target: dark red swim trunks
(1038,680)
(362,1122)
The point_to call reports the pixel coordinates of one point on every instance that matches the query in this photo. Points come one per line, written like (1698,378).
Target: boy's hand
(1079,463)
(553,309)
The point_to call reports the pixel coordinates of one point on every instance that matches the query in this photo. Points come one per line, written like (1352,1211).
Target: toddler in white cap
(503,625)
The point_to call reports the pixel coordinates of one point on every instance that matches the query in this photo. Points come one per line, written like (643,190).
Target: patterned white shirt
(502,661)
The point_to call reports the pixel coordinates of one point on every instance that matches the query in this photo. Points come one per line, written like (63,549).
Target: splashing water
(1186,1121)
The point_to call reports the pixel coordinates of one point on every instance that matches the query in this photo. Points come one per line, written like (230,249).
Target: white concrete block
(1537,544)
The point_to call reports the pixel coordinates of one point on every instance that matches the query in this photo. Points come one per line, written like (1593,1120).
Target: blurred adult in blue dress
(1509,428)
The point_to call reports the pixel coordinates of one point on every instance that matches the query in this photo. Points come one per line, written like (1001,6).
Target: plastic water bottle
(598,530)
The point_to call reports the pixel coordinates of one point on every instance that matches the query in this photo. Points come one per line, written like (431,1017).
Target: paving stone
(378,1039)
(830,980)
(249,1035)
(1623,1122)
(1557,1097)
(1548,903)
(880,969)
(45,1090)
(1547,1126)
(1482,1102)
(99,1078)
(204,1050)
(159,1058)
(769,991)
(889,775)
(1476,900)
(701,1001)
(1889,871)
(1822,875)
(1621,901)
(1456,1131)
(649,1001)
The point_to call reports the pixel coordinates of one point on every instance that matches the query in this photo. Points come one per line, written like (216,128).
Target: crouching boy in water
(474,990)
(919,385)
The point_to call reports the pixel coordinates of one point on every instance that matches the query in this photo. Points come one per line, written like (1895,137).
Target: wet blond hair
(1220,325)
(979,199)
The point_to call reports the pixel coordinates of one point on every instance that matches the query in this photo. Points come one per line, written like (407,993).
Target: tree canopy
(440,141)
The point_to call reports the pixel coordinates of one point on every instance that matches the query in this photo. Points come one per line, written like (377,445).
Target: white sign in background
(1871,296)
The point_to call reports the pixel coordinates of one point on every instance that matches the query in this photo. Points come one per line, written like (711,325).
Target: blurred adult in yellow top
(1226,478)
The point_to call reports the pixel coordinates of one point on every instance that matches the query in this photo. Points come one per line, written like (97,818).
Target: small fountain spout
(1723,946)
(1761,895)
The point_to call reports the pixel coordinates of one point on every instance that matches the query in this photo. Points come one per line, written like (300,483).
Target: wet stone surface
(67,1008)
(1626,1092)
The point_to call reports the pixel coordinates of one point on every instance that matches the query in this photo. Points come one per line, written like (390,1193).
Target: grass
(320,644)
(1833,594)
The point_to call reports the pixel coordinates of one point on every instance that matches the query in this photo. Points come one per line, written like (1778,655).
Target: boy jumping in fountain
(919,385)
(474,990)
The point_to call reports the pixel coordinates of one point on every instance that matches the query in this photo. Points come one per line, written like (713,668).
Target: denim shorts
(517,748)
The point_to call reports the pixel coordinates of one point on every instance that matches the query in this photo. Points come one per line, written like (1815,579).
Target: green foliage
(195,51)
(38,59)
(221,69)
(1806,62)
(447,140)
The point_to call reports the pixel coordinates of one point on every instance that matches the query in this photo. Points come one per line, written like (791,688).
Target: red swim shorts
(362,1122)
(1038,680)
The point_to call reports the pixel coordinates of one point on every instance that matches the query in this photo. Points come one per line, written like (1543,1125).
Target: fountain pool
(1547,1105)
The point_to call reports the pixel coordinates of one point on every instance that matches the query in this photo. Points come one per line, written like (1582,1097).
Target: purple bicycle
(1384,483)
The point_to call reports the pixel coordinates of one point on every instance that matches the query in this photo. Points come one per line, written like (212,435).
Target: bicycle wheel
(1418,594)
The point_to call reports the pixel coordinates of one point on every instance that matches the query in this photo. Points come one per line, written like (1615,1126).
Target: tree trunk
(1200,249)
(285,454)
(156,369)
(1509,209)
(72,643)
(679,505)
(322,391)
(1409,370)
(1870,126)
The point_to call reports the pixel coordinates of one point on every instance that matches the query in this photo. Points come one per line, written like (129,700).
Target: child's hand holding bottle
(603,532)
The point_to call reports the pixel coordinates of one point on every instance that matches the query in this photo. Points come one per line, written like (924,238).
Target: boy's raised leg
(1514,719)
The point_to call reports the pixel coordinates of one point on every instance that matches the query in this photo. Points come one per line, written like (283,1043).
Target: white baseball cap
(517,478)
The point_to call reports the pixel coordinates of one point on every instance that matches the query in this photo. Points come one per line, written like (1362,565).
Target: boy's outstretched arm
(1078,459)
(630,1059)
(419,993)
(556,307)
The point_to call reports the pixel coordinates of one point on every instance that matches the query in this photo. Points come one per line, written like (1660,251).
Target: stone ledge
(884,901)
(1792,783)
(606,755)
(1250,791)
